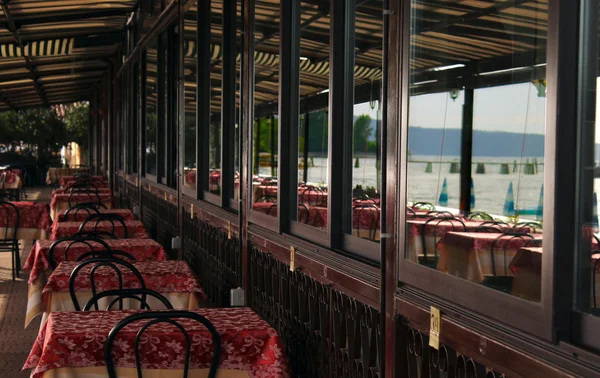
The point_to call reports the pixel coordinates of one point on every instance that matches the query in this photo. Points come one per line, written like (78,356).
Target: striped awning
(51,47)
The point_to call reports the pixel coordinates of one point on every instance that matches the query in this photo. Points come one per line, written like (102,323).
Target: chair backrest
(95,219)
(506,238)
(113,253)
(95,234)
(98,263)
(85,207)
(81,184)
(371,210)
(454,222)
(9,214)
(89,195)
(139,295)
(74,240)
(480,215)
(155,317)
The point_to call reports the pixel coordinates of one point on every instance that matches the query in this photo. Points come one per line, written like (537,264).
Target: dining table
(98,181)
(12,179)
(526,267)
(135,229)
(431,230)
(61,201)
(173,279)
(71,344)
(38,263)
(468,255)
(34,221)
(55,174)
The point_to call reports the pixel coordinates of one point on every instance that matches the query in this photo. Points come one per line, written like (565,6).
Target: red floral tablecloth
(141,249)
(38,263)
(67,339)
(34,220)
(135,229)
(99,181)
(161,276)
(482,241)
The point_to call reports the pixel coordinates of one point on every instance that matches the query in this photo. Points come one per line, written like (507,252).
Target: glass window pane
(216,98)
(587,295)
(266,92)
(476,130)
(311,142)
(238,101)
(190,96)
(362,208)
(133,126)
(151,97)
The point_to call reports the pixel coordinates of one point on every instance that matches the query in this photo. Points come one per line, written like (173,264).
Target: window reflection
(363,205)
(216,98)
(238,101)
(266,92)
(476,142)
(587,295)
(190,96)
(151,107)
(311,142)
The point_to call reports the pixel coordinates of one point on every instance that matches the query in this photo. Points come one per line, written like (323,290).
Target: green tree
(77,121)
(362,132)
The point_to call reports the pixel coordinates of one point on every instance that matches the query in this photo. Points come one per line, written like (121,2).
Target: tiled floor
(15,341)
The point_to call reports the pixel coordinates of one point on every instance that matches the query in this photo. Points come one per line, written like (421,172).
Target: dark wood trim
(167,16)
(246,144)
(344,274)
(228,114)
(513,353)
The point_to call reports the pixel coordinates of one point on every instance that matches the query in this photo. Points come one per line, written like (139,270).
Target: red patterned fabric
(190,176)
(135,229)
(484,240)
(82,214)
(161,276)
(106,198)
(11,176)
(99,181)
(31,215)
(248,343)
(141,249)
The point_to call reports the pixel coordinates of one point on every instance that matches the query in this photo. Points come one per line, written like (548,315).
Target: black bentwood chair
(115,264)
(9,213)
(71,242)
(139,295)
(96,219)
(155,317)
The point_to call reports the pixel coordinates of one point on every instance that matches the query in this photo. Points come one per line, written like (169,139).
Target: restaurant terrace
(299,188)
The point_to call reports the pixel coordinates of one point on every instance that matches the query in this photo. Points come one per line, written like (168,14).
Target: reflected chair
(156,317)
(423,206)
(480,215)
(9,242)
(96,219)
(116,265)
(527,227)
(454,222)
(502,282)
(139,295)
(374,212)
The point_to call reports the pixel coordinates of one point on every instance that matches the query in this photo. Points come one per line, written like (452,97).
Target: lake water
(490,188)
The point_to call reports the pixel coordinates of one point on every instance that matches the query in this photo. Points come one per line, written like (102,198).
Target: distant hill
(426,141)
